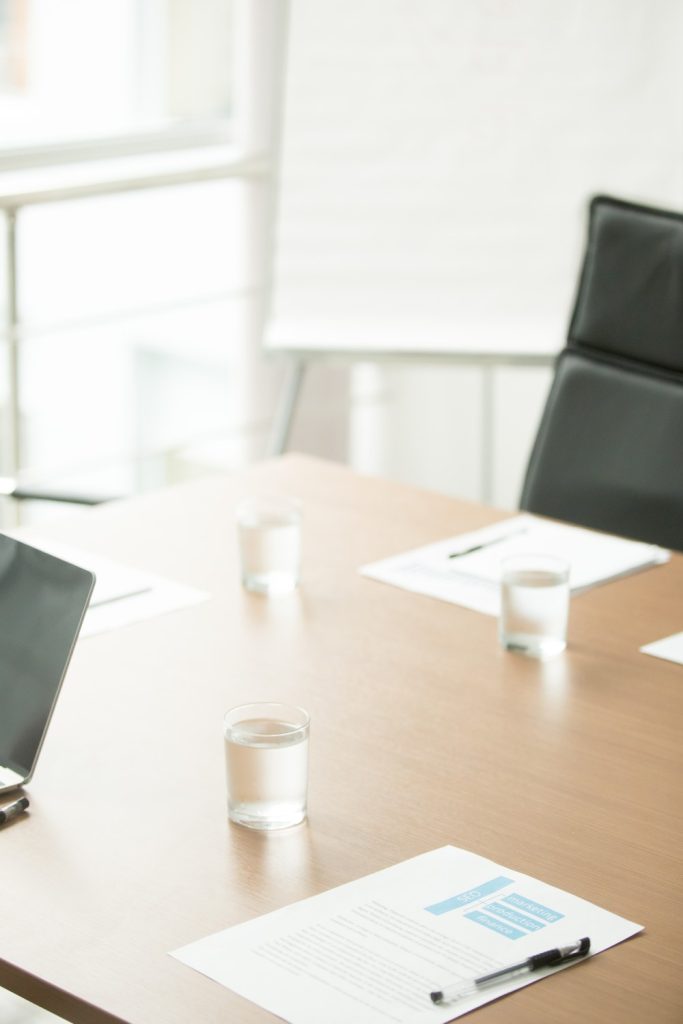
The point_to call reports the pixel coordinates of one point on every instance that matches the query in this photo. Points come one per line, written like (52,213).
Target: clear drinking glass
(269,536)
(266,760)
(534,605)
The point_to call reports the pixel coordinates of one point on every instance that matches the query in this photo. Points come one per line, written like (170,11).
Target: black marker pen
(12,810)
(550,958)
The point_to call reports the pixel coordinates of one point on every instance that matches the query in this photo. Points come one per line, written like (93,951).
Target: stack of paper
(466,569)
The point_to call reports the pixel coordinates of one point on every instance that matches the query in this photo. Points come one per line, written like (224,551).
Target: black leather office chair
(609,450)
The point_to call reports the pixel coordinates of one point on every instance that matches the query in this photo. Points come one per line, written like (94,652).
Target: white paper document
(373,950)
(670,648)
(466,569)
(121,595)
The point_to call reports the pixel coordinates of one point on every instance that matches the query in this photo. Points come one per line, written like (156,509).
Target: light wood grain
(423,733)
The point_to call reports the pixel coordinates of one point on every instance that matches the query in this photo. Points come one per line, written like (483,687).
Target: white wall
(427,425)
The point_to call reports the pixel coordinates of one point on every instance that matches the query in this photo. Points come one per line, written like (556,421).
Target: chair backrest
(609,449)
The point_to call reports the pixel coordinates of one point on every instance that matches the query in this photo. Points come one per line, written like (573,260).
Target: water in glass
(535,604)
(271,553)
(267,770)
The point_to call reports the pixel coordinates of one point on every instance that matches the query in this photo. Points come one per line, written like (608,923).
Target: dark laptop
(43,600)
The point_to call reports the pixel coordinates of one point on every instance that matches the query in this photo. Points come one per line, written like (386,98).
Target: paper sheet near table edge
(235,957)
(669,648)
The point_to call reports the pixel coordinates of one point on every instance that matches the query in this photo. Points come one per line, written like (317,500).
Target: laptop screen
(42,603)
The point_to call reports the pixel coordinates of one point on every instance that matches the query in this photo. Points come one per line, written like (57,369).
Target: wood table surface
(424,733)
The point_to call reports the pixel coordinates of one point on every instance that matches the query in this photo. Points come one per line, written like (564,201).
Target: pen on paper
(119,597)
(550,958)
(10,811)
(487,543)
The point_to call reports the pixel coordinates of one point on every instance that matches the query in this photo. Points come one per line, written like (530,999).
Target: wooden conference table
(424,733)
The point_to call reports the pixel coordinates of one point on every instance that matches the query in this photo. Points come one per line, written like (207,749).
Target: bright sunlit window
(125,308)
(84,71)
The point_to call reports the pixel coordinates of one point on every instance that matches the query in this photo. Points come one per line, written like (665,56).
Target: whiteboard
(437,157)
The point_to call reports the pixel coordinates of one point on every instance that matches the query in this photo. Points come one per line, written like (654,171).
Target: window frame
(165,139)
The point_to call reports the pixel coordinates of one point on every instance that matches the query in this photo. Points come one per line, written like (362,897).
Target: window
(121,74)
(137,309)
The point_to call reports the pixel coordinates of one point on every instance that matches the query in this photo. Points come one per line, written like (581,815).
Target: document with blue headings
(374,950)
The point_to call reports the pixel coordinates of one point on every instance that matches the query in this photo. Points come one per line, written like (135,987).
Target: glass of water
(269,536)
(534,605)
(266,760)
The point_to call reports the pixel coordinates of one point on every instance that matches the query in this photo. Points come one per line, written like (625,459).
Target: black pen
(12,810)
(487,543)
(551,958)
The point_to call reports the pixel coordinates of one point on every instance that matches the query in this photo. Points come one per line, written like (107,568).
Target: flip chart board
(437,158)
